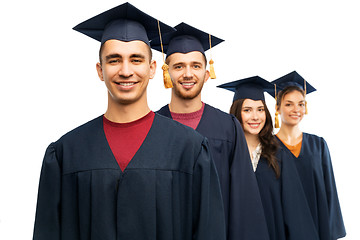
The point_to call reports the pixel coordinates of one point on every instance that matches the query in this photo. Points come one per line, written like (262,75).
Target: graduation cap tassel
(166,76)
(277,125)
(306,109)
(211,62)
(165,67)
(212,71)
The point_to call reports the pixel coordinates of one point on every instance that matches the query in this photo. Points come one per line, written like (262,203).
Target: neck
(252,141)
(123,113)
(179,105)
(290,134)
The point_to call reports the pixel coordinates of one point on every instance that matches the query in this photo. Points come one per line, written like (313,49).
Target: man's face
(126,69)
(188,74)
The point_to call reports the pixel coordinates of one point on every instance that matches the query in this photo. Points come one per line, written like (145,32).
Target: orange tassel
(212,71)
(165,67)
(166,76)
(306,109)
(277,125)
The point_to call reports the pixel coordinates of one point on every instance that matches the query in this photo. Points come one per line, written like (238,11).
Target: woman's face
(253,116)
(292,108)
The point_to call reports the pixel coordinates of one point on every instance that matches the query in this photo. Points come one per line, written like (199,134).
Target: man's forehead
(189,57)
(122,47)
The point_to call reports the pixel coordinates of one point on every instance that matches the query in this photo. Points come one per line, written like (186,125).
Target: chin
(188,95)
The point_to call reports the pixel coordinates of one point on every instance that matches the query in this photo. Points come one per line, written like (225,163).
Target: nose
(125,70)
(296,108)
(254,115)
(188,73)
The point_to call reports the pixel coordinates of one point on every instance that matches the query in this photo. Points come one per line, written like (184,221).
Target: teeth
(187,84)
(126,84)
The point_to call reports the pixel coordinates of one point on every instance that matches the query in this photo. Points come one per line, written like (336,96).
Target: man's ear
(207,75)
(152,69)
(99,71)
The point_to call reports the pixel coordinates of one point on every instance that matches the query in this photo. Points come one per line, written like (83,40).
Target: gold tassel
(212,71)
(277,125)
(211,62)
(166,75)
(165,67)
(306,110)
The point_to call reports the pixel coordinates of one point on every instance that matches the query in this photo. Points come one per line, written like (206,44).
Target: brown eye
(113,61)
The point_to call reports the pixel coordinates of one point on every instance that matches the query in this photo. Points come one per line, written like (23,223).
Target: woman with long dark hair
(255,119)
(283,201)
(310,155)
(250,109)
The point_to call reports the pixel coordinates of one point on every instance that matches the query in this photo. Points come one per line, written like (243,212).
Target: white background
(49,83)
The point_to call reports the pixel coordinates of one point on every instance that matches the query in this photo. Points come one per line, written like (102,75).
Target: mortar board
(293,79)
(251,88)
(186,39)
(124,23)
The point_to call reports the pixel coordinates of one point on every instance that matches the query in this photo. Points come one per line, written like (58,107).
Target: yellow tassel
(277,125)
(212,71)
(306,109)
(166,75)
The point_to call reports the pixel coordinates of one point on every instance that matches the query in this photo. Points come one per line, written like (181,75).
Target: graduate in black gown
(250,109)
(281,193)
(311,157)
(155,180)
(186,60)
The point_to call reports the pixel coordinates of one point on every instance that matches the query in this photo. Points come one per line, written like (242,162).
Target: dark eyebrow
(110,56)
(195,62)
(116,55)
(137,56)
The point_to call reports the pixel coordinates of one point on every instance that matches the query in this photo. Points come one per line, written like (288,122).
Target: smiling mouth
(254,125)
(125,84)
(188,84)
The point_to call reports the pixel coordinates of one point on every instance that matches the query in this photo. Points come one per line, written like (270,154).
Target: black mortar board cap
(186,39)
(293,79)
(251,88)
(124,23)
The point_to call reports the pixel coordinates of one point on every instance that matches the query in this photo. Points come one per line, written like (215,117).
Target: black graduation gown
(270,191)
(284,202)
(312,174)
(169,190)
(242,202)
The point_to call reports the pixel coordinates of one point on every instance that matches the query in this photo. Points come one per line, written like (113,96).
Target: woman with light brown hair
(311,157)
(283,201)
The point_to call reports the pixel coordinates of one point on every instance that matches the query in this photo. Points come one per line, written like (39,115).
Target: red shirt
(189,119)
(126,138)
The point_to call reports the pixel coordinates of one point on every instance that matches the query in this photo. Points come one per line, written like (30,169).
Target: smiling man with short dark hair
(130,173)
